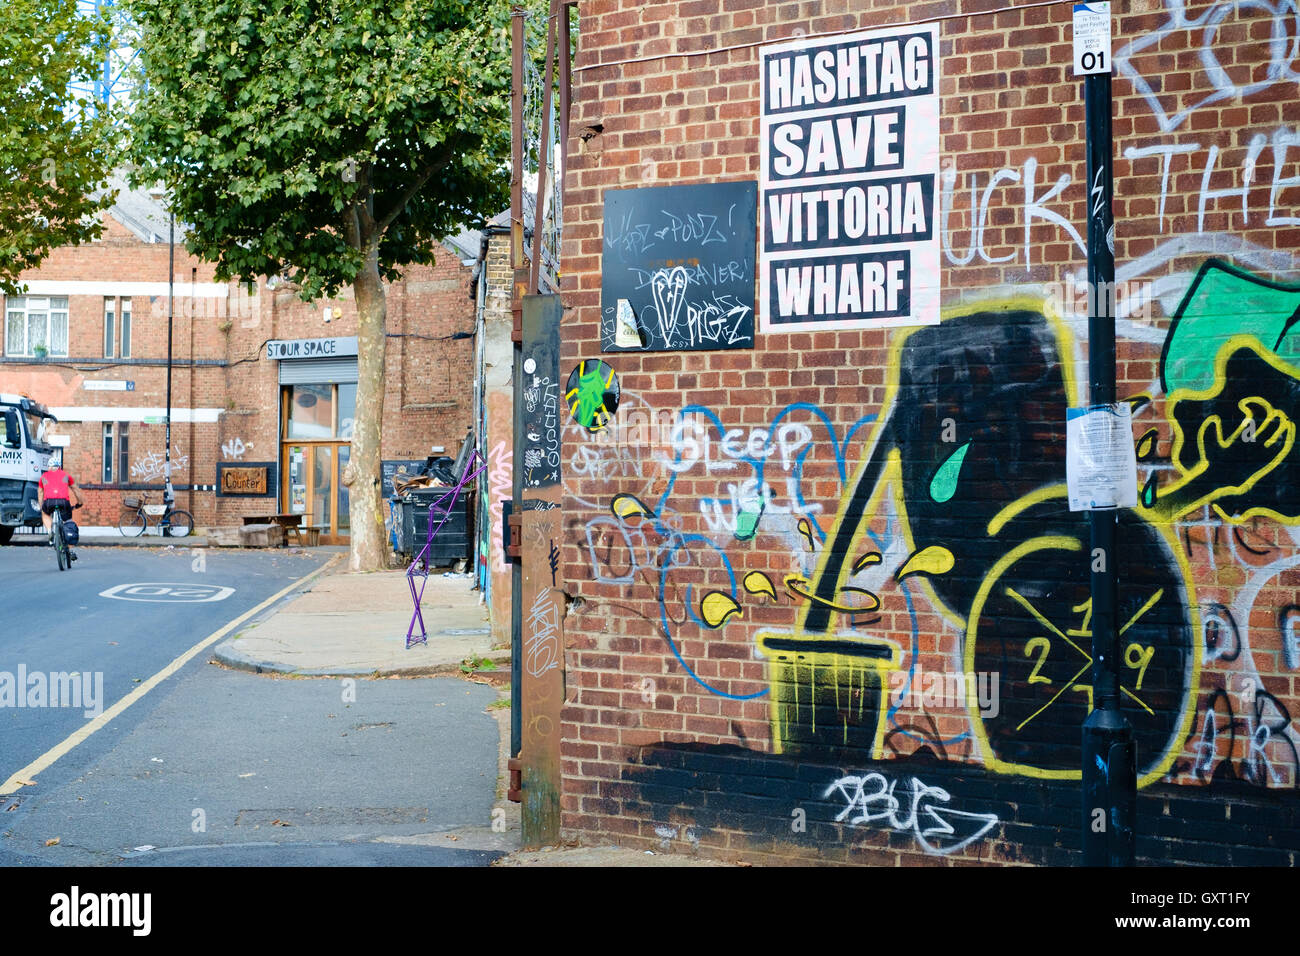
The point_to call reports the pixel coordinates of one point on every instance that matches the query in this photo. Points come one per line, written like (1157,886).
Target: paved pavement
(356,624)
(230,768)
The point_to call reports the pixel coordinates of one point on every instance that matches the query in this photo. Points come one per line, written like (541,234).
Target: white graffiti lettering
(938,829)
(542,645)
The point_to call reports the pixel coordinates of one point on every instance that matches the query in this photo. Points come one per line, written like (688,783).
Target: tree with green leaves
(54,158)
(332,142)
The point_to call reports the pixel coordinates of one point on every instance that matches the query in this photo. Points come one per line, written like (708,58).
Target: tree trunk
(369,549)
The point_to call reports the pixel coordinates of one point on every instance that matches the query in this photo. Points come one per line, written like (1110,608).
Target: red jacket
(55,483)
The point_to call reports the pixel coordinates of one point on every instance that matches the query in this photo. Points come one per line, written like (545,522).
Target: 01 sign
(1091,38)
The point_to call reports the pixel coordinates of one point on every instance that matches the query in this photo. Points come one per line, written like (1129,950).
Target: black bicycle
(62,552)
(136,512)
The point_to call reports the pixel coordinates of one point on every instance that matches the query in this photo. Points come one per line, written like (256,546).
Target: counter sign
(850,156)
(1091,38)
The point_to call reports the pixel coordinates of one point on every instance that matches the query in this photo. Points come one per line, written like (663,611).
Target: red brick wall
(702,759)
(428,401)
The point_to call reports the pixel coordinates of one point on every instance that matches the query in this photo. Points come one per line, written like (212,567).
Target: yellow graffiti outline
(890,484)
(1174,746)
(1024,503)
(871,557)
(1042,619)
(833,661)
(890,477)
(1230,346)
(769,589)
(935,550)
(792,579)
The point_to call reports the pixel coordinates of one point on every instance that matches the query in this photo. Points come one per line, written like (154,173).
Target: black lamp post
(1109,755)
(169,495)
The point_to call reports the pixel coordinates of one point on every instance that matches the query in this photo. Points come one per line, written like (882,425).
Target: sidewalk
(97,536)
(345,624)
(350,625)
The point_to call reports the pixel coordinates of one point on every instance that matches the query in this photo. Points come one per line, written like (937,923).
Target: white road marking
(158,592)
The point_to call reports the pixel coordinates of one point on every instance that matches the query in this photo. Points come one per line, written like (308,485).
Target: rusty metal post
(543,150)
(566,84)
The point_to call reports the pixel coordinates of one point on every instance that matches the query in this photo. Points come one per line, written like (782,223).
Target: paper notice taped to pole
(1101,461)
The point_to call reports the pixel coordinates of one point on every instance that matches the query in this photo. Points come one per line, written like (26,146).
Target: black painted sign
(541,422)
(678,268)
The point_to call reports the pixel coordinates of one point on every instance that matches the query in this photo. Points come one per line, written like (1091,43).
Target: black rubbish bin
(419,507)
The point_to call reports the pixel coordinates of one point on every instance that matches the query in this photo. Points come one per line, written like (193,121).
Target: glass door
(317,421)
(312,487)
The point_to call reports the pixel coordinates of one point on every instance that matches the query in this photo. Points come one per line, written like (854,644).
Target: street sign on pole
(1091,38)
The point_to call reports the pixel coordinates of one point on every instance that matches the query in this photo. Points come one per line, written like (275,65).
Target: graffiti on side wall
(235,449)
(957,509)
(825,570)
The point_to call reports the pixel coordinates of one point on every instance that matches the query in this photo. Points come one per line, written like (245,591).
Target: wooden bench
(302,535)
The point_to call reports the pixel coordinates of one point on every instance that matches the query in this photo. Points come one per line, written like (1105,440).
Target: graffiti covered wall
(828,600)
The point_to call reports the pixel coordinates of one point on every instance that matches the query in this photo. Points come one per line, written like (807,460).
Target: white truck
(24,456)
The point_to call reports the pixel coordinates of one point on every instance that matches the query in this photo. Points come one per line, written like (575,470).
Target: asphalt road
(218,767)
(64,622)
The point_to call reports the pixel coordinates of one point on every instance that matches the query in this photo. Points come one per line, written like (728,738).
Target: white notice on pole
(1100,459)
(1091,38)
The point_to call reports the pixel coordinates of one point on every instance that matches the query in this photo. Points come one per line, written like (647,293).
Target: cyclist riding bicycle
(54,490)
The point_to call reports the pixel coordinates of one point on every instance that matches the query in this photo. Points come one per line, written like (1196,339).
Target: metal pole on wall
(1109,756)
(169,495)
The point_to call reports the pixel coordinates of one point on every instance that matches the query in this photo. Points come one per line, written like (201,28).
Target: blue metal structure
(116,76)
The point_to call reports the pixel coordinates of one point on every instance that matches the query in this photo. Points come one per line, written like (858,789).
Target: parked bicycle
(62,551)
(136,512)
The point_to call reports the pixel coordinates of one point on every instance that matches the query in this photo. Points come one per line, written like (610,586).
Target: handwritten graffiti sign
(677,270)
(849,161)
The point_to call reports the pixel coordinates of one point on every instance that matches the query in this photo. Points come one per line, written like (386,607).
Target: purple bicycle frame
(420,565)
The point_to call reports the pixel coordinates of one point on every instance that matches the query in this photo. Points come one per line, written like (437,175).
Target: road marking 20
(168,593)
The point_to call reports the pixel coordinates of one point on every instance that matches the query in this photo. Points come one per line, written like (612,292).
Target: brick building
(826,599)
(260,379)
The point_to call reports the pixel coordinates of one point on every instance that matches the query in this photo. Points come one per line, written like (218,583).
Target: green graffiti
(944,483)
(592,393)
(747,523)
(1149,492)
(1225,302)
(591,397)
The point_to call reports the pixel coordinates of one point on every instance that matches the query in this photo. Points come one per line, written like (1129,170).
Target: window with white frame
(109,315)
(116,452)
(108,453)
(126,328)
(36,326)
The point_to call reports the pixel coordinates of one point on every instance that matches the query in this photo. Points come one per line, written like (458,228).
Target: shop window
(347,409)
(311,412)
